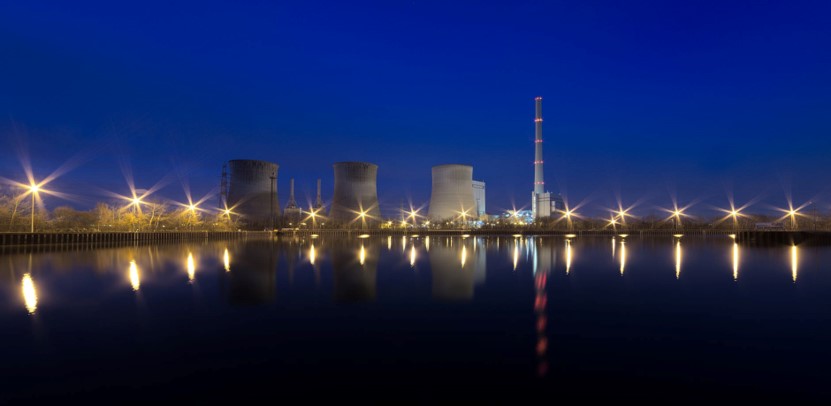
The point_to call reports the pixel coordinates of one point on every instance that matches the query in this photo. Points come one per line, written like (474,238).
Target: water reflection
(794,261)
(450,279)
(254,278)
(30,296)
(133,274)
(516,254)
(312,254)
(678,258)
(622,256)
(412,256)
(456,265)
(226,260)
(354,278)
(191,267)
(568,255)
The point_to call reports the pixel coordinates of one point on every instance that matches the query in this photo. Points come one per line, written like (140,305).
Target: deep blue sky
(640,98)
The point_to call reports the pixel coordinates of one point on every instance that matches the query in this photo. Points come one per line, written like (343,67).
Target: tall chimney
(292,204)
(319,200)
(539,183)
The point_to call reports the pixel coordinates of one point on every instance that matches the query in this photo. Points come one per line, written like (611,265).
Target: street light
(362,215)
(33,189)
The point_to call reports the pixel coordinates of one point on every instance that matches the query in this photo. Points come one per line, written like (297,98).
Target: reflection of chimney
(319,200)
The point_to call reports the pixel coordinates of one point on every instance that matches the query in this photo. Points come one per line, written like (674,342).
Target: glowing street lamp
(567,213)
(362,215)
(33,189)
(676,216)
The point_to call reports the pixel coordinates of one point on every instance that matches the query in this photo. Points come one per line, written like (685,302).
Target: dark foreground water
(412,319)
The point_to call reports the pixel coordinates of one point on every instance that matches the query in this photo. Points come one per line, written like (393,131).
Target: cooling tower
(355,192)
(452,193)
(252,192)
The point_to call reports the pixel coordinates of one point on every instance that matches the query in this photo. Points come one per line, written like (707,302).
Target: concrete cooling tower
(452,192)
(252,191)
(355,191)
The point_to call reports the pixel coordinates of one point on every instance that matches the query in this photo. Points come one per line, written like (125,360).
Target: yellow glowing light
(794,261)
(136,201)
(389,242)
(314,236)
(516,255)
(568,256)
(192,207)
(465,235)
(735,261)
(614,244)
(34,188)
(362,255)
(427,243)
(414,236)
(191,267)
(362,214)
(571,235)
(622,257)
(133,273)
(403,243)
(412,256)
(363,236)
(312,254)
(624,235)
(517,235)
(464,255)
(226,259)
(678,259)
(30,296)
(678,235)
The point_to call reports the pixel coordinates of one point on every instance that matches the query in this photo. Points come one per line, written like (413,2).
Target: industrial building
(356,193)
(252,192)
(479,197)
(452,195)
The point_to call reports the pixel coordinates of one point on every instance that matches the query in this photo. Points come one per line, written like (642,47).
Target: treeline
(16,216)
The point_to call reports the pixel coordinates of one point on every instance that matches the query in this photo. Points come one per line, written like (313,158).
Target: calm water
(418,320)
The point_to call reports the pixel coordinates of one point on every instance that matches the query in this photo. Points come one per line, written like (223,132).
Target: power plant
(252,191)
(356,193)
(452,194)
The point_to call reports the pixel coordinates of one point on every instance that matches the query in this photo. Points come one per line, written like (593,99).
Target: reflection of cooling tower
(452,192)
(253,273)
(250,191)
(355,191)
(354,281)
(453,270)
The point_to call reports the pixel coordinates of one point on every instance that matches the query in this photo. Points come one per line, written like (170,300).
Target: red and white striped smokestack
(539,183)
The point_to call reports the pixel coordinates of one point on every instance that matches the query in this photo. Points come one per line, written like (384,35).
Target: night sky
(641,99)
